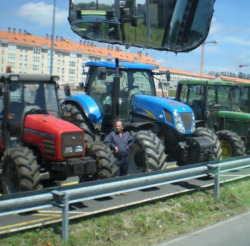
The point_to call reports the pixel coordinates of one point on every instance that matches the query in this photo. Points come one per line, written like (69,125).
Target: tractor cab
(223,107)
(19,96)
(208,98)
(36,145)
(133,81)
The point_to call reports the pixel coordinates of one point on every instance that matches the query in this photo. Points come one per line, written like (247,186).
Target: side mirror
(101,73)
(172,25)
(67,91)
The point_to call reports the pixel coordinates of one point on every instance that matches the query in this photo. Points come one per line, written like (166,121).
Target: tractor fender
(139,125)
(156,127)
(88,105)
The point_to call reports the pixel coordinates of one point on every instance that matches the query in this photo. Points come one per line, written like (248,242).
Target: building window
(72,78)
(72,63)
(36,59)
(12,47)
(35,67)
(12,64)
(72,55)
(72,71)
(11,56)
(36,50)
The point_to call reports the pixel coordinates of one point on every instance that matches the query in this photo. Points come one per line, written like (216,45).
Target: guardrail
(63,196)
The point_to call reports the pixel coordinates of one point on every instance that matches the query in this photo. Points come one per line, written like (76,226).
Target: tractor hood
(168,111)
(53,136)
(48,124)
(234,115)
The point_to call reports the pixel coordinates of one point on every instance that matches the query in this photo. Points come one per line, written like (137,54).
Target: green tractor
(223,107)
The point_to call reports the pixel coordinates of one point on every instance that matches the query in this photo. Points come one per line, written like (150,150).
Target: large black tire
(231,144)
(20,171)
(77,117)
(204,132)
(106,167)
(147,154)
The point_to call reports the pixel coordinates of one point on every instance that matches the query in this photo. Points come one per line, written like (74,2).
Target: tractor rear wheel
(204,132)
(231,144)
(147,153)
(20,171)
(106,167)
(77,118)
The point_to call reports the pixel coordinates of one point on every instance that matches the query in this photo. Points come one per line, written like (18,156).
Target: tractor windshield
(233,98)
(132,82)
(25,95)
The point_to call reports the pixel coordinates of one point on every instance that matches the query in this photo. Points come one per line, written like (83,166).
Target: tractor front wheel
(147,153)
(20,171)
(231,144)
(106,167)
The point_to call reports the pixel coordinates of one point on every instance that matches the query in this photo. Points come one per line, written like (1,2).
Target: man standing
(120,142)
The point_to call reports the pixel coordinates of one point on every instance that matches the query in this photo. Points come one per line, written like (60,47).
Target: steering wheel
(236,109)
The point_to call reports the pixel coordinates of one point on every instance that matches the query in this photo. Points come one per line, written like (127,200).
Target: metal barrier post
(65,218)
(61,199)
(215,170)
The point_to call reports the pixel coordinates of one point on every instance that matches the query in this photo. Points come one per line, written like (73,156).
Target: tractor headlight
(79,148)
(68,150)
(178,123)
(193,124)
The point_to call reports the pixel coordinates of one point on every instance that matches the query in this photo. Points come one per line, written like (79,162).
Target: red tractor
(36,145)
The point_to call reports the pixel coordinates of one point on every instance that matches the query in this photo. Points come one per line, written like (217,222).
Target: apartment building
(26,53)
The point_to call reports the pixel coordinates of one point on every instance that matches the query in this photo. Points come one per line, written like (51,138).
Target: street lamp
(52,38)
(203,52)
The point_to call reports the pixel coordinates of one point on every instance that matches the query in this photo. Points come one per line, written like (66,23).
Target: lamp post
(202,54)
(52,38)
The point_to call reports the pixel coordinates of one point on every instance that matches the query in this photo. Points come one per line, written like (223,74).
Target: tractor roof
(124,65)
(29,77)
(213,82)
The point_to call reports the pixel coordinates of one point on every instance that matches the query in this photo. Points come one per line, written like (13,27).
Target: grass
(146,224)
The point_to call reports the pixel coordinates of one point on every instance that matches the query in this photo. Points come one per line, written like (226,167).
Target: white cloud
(41,13)
(237,40)
(215,27)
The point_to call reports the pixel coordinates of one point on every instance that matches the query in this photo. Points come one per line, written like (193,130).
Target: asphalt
(234,231)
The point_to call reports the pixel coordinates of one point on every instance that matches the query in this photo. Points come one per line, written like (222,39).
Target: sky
(230,28)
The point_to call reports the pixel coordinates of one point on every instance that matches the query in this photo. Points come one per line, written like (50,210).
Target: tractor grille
(72,144)
(187,120)
(49,147)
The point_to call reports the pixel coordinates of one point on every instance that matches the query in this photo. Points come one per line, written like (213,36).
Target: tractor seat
(15,111)
(197,108)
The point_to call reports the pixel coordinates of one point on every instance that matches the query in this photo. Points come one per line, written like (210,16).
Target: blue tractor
(164,129)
